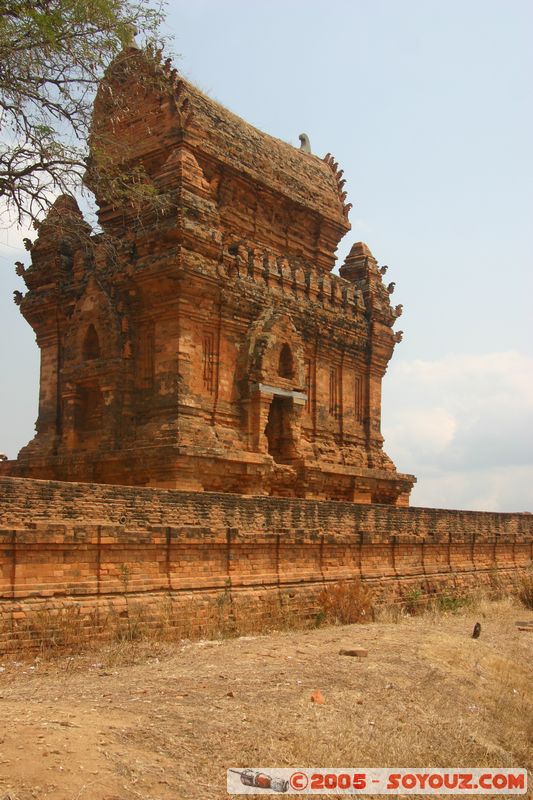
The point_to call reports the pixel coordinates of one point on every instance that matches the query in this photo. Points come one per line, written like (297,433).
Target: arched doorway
(278,430)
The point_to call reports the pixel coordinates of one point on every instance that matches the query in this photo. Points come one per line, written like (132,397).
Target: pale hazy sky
(427,107)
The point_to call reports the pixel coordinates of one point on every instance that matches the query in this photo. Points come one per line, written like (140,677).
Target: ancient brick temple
(209,347)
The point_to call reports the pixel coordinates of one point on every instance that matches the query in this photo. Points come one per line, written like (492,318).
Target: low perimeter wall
(106,555)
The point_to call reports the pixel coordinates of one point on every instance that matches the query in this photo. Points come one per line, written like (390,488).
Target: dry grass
(161,720)
(525,588)
(51,632)
(344,603)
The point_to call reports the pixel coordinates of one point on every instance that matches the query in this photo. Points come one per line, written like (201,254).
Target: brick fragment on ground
(354,651)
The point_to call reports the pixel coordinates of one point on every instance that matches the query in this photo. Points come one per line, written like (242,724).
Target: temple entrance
(279,430)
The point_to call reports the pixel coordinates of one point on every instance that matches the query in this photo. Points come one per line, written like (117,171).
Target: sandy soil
(148,720)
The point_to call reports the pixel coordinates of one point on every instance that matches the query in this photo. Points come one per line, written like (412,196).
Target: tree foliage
(53,53)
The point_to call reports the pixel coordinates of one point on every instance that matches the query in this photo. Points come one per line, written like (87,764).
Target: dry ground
(159,721)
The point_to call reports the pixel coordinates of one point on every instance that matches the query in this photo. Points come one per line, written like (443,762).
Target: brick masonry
(203,346)
(101,550)
(208,347)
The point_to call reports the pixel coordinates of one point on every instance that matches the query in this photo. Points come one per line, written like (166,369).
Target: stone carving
(305,144)
(338,173)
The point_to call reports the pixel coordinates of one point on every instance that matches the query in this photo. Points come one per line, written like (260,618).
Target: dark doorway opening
(279,430)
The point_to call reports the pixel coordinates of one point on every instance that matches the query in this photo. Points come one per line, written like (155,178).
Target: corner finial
(305,144)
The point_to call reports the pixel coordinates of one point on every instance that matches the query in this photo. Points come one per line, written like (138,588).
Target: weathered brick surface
(209,347)
(97,547)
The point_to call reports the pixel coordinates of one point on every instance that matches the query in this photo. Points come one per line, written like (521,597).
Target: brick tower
(207,346)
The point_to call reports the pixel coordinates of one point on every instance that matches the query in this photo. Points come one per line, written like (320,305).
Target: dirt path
(159,721)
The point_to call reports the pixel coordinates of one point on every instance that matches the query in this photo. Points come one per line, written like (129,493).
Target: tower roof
(217,133)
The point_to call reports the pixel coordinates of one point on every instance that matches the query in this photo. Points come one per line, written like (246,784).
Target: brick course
(100,549)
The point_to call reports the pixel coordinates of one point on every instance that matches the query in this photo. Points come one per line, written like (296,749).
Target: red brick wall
(202,559)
